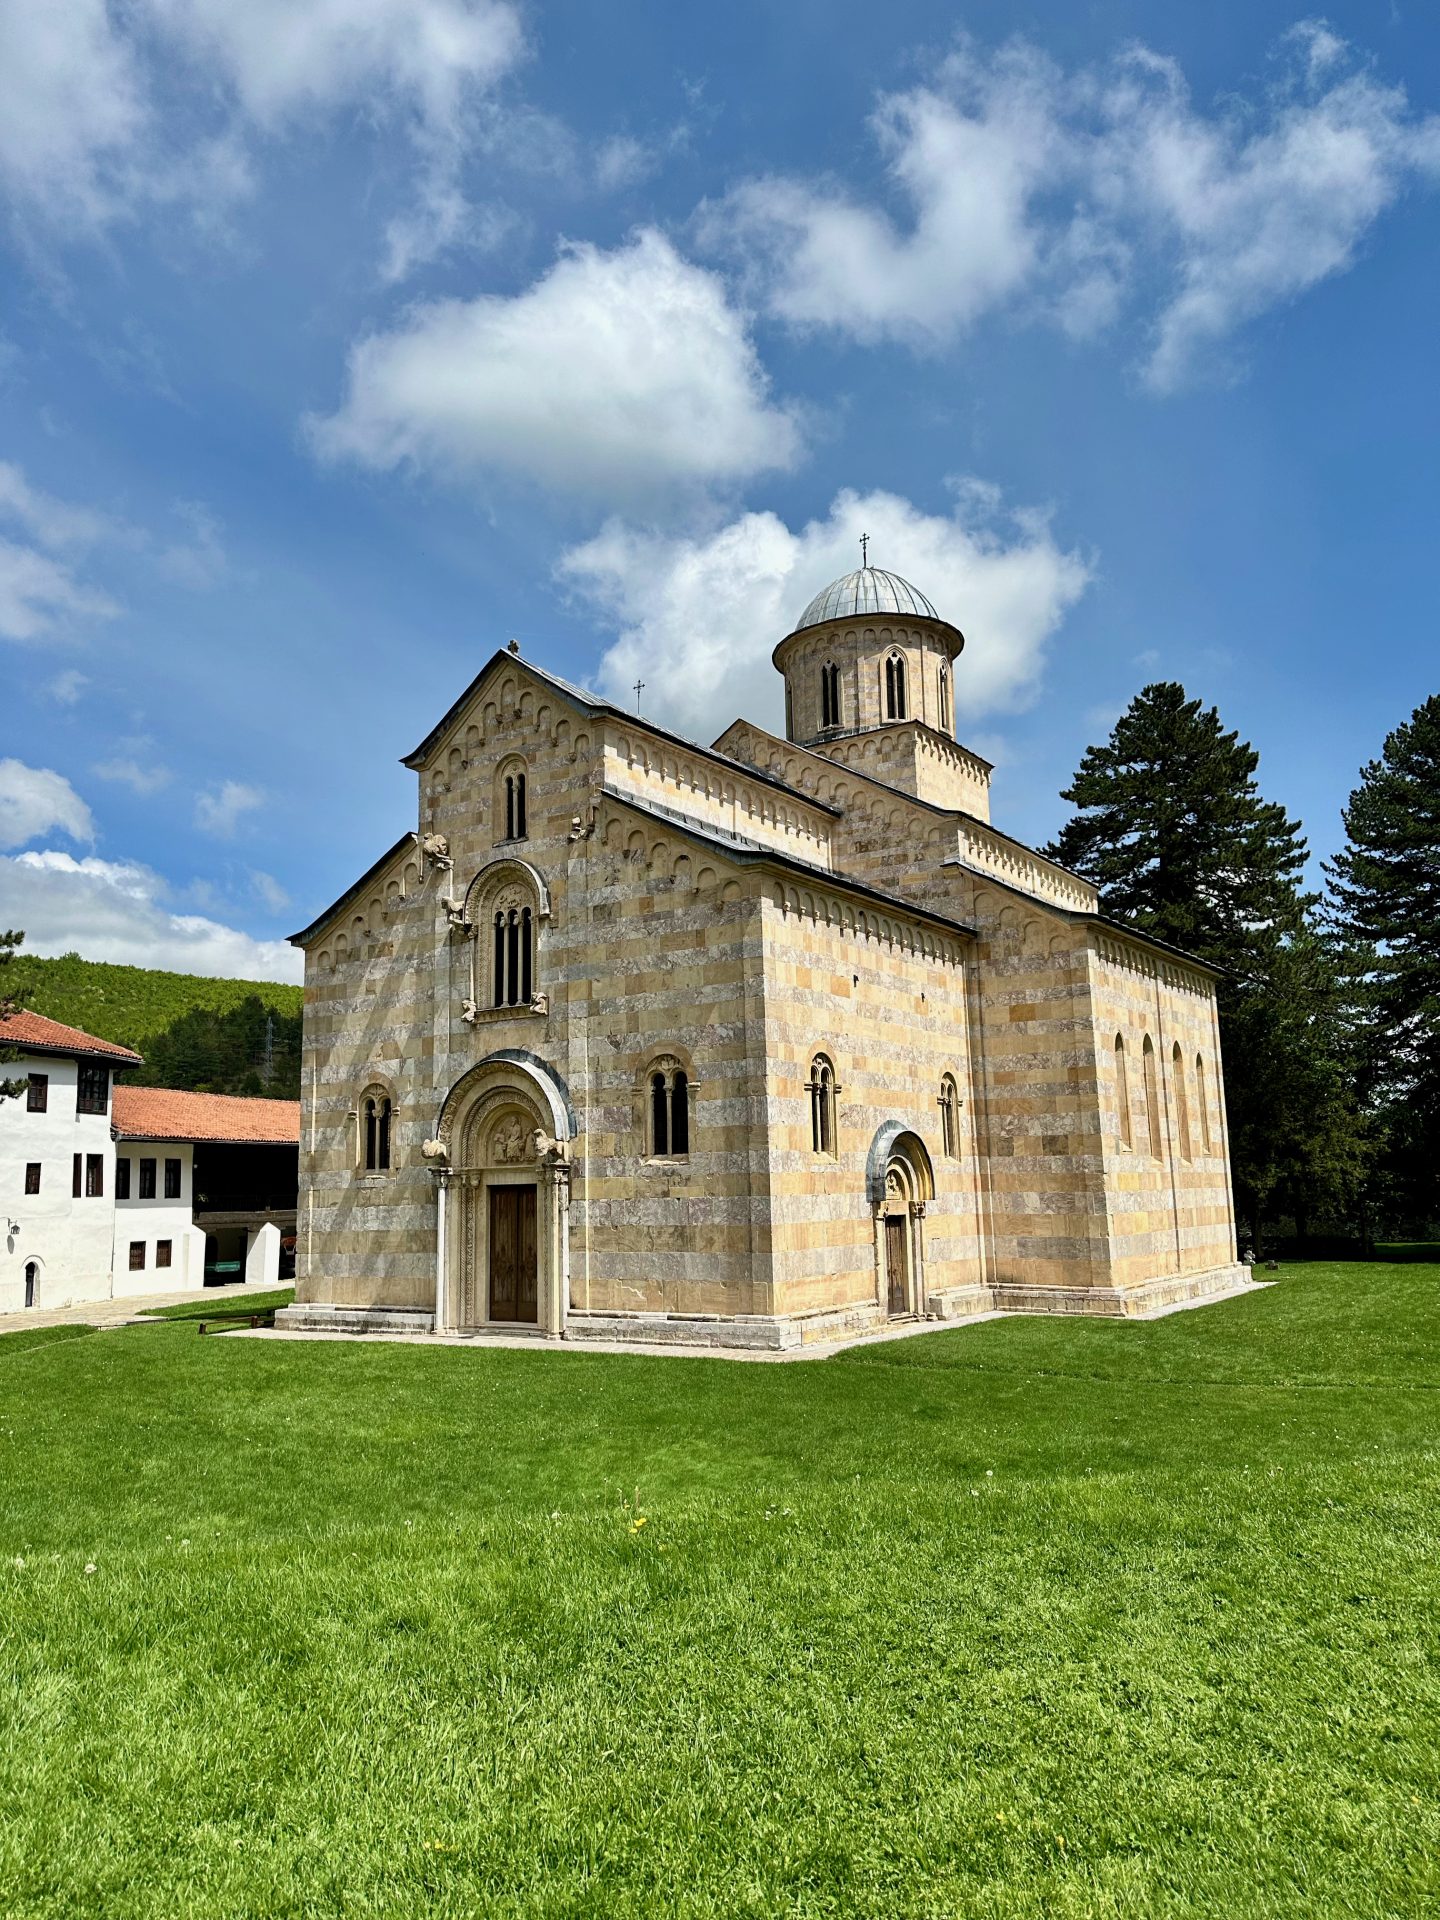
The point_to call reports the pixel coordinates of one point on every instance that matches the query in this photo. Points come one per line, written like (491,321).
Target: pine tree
(11,1001)
(1386,902)
(1172,829)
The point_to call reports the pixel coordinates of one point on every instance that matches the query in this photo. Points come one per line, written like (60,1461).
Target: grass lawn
(1030,1618)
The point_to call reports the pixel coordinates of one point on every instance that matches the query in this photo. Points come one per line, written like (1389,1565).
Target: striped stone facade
(764,930)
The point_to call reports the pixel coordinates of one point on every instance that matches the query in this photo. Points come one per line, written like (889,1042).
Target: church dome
(867,590)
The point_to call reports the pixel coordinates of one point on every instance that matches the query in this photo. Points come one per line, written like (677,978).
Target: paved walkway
(118,1313)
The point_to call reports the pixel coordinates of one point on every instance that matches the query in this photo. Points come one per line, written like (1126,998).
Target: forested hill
(208,1036)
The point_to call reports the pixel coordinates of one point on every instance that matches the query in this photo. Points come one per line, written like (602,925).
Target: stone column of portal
(442,1186)
(917,1254)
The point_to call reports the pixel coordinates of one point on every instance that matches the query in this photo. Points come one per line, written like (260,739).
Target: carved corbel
(469,1012)
(436,849)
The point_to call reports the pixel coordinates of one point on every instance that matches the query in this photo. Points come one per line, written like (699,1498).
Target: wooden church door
(513,1292)
(895,1225)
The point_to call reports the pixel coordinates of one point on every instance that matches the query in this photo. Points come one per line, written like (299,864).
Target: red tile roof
(162,1113)
(33,1033)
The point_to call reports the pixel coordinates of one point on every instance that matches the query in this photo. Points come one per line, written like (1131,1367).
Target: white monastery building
(98,1194)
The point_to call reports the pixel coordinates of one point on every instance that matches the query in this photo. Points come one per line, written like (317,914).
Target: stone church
(755,1044)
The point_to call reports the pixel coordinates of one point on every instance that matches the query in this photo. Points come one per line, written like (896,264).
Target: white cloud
(114,910)
(36,801)
(199,562)
(220,812)
(39,594)
(141,777)
(104,109)
(698,617)
(1067,196)
(268,891)
(618,374)
(40,591)
(66,688)
(72,108)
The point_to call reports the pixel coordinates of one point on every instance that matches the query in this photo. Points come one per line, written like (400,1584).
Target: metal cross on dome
(864,549)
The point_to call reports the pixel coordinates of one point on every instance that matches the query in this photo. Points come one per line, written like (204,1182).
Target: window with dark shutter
(147,1179)
(137,1256)
(172,1179)
(32,1176)
(122,1179)
(94,1176)
(37,1100)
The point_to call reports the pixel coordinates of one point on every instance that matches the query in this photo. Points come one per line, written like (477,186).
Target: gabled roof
(595,707)
(370,873)
(755,853)
(165,1113)
(32,1033)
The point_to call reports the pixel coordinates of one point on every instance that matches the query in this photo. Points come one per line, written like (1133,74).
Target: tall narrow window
(137,1256)
(789,713)
(1202,1100)
(32,1176)
(122,1178)
(77,1174)
(37,1100)
(947,714)
(1182,1104)
(950,1117)
(829,696)
(375,1115)
(1122,1092)
(669,1096)
(821,1089)
(514,956)
(659,1116)
(94,1176)
(511,801)
(895,687)
(147,1179)
(172,1179)
(1152,1098)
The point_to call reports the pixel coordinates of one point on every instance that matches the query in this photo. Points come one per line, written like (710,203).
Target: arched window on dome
(822,1090)
(896,705)
(830,695)
(947,714)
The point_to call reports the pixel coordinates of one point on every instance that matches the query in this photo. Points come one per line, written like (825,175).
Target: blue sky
(341,342)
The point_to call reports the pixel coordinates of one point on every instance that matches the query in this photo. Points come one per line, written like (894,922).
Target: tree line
(1329,1002)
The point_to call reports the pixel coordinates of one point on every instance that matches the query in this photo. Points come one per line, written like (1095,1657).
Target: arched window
(950,1117)
(895,707)
(1122,1092)
(514,962)
(375,1131)
(1152,1098)
(1182,1103)
(512,820)
(1202,1100)
(789,712)
(830,696)
(669,1110)
(821,1088)
(947,715)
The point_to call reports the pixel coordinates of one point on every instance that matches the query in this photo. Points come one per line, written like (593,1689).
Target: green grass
(1031,1618)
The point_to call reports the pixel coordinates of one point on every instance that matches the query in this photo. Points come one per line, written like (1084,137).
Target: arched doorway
(32,1283)
(503,1179)
(899,1184)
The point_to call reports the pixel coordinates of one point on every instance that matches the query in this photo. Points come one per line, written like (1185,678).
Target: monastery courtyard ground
(1025,1618)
